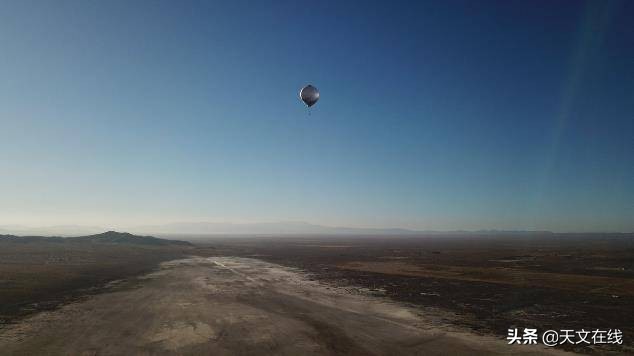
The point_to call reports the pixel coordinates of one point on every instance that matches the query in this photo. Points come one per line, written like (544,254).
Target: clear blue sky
(433,115)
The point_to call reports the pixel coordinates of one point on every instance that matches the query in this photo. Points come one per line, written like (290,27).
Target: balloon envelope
(309,95)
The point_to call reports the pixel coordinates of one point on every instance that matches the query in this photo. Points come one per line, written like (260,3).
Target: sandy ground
(240,306)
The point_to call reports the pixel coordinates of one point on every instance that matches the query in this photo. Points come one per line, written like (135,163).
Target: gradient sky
(433,115)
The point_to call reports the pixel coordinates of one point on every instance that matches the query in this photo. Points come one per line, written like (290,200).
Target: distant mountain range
(273,228)
(222,228)
(289,228)
(110,237)
(262,228)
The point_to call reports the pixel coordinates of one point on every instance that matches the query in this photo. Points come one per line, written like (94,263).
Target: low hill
(126,238)
(109,237)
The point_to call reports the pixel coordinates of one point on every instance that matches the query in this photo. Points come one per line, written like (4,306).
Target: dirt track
(229,306)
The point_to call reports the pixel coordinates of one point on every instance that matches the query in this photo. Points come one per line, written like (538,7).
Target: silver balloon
(309,95)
